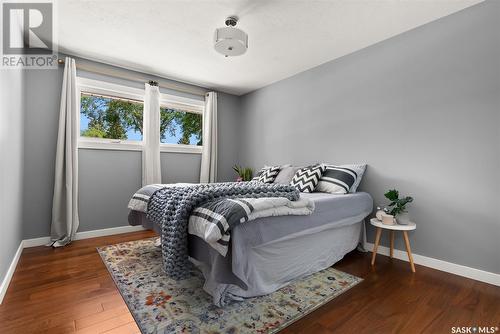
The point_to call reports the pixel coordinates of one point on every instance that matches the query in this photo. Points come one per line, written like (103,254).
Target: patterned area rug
(162,305)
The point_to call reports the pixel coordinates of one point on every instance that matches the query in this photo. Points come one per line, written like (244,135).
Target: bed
(268,253)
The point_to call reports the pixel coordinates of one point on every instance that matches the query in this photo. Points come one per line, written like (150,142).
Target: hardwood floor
(69,290)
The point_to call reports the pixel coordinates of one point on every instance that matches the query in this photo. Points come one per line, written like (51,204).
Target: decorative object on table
(387,219)
(379,213)
(392,229)
(244,174)
(160,304)
(397,207)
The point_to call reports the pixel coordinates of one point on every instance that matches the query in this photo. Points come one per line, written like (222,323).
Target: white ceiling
(174,38)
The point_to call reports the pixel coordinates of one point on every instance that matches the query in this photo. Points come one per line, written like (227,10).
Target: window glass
(180,127)
(110,117)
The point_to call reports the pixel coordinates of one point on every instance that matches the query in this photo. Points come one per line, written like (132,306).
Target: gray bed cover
(331,212)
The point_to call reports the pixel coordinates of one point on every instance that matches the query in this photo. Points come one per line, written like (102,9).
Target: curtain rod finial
(60,61)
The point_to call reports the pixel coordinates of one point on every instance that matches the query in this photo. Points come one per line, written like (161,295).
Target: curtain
(65,200)
(151,168)
(208,172)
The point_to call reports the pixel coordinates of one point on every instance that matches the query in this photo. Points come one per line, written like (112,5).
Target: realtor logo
(28,35)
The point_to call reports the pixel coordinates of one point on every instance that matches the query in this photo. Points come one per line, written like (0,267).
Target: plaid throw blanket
(214,220)
(171,208)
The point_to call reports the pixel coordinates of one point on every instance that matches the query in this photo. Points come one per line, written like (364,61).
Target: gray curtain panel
(65,201)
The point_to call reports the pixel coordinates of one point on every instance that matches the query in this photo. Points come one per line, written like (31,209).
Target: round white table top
(377,223)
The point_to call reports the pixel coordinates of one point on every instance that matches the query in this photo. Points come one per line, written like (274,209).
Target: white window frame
(120,91)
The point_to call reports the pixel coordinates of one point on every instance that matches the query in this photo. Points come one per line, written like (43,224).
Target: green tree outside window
(112,118)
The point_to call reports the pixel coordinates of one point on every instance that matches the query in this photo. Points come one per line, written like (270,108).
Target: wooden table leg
(408,250)
(392,243)
(375,246)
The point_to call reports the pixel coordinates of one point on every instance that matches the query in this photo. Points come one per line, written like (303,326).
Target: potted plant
(397,207)
(244,174)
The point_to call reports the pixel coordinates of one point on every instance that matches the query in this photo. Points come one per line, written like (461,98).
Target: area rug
(162,305)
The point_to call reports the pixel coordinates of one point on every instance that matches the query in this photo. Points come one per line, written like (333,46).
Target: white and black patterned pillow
(256,177)
(267,174)
(341,179)
(306,179)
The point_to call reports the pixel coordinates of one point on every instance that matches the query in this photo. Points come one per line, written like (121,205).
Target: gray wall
(107,178)
(229,128)
(11,164)
(43,91)
(105,189)
(422,109)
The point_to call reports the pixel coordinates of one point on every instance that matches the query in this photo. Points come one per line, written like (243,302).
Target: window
(180,127)
(111,117)
(181,124)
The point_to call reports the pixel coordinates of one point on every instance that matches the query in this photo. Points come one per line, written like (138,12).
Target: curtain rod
(180,87)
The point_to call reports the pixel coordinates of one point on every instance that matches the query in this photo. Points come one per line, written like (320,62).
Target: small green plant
(244,174)
(397,205)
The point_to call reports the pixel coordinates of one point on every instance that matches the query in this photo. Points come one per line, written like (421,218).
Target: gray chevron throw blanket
(171,207)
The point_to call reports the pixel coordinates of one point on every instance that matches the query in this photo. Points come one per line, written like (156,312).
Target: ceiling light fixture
(230,41)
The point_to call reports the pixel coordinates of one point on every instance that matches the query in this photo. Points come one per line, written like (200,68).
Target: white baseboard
(107,231)
(453,268)
(10,272)
(42,241)
(85,235)
(46,240)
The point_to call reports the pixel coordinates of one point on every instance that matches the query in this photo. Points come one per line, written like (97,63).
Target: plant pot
(403,218)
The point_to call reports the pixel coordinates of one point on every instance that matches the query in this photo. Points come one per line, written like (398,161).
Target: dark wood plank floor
(68,290)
